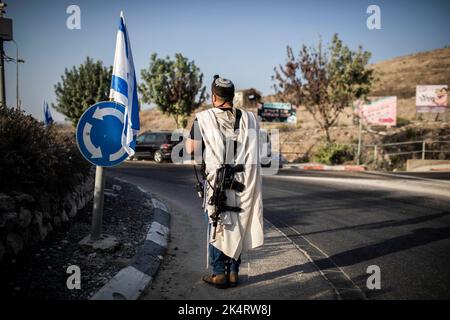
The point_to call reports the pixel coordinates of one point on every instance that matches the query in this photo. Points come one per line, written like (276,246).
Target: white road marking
(425,187)
(406,177)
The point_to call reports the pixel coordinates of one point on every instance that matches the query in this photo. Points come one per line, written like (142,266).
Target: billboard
(6,29)
(277,112)
(431,99)
(378,111)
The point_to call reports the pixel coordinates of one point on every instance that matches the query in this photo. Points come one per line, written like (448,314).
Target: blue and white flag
(124,87)
(48,120)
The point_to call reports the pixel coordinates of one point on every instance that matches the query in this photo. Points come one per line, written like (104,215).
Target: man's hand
(192,145)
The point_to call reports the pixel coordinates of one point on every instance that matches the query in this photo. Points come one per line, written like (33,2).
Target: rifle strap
(236,127)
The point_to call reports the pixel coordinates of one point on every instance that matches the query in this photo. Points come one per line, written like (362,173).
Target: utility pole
(2,64)
(18,60)
(2,77)
(6,34)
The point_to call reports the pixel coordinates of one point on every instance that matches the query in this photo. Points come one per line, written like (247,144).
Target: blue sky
(241,40)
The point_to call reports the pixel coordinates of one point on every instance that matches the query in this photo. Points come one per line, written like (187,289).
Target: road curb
(130,282)
(323,167)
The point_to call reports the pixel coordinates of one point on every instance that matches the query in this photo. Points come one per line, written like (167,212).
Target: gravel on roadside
(41,272)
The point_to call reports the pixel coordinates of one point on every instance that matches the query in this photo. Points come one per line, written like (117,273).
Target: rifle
(224,180)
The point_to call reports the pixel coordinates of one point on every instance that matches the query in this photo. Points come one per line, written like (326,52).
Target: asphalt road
(343,227)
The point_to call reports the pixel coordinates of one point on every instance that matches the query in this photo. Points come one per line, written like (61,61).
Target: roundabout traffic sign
(99,134)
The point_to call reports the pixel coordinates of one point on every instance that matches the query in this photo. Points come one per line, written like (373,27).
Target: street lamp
(17,74)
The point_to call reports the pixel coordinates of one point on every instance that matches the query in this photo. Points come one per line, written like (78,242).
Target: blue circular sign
(99,134)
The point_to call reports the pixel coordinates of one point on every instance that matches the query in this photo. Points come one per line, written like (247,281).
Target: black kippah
(223,88)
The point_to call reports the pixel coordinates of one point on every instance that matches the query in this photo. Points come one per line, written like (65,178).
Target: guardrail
(423,150)
(377,148)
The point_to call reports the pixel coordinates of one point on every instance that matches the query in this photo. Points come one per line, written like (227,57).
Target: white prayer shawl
(236,231)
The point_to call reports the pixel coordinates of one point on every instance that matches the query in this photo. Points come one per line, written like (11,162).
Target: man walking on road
(228,139)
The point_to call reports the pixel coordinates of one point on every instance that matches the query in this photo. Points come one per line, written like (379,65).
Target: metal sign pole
(358,157)
(99,138)
(97,211)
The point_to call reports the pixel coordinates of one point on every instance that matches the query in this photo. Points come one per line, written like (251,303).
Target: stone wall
(25,220)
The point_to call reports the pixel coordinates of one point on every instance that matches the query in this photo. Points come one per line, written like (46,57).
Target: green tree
(174,86)
(325,82)
(82,87)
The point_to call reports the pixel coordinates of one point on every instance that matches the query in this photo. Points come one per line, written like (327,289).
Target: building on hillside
(248,98)
(271,98)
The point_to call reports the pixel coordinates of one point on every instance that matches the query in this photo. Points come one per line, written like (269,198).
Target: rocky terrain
(126,216)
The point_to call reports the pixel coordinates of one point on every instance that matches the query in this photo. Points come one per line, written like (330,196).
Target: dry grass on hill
(400,76)
(397,77)
(154,120)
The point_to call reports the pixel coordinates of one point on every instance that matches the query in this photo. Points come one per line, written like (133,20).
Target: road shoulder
(276,271)
(130,282)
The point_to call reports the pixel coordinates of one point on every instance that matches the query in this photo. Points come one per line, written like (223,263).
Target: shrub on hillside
(37,160)
(401,122)
(333,153)
(286,128)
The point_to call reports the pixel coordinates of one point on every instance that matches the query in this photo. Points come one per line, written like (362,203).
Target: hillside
(400,76)
(397,77)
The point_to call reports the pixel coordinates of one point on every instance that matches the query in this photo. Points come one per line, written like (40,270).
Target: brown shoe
(217,280)
(233,279)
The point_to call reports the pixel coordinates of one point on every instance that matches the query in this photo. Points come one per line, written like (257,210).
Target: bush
(36,160)
(286,127)
(333,153)
(303,159)
(401,122)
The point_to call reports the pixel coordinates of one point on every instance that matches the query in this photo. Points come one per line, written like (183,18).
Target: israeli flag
(48,120)
(124,87)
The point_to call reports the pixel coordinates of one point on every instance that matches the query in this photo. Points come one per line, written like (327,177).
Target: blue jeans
(220,262)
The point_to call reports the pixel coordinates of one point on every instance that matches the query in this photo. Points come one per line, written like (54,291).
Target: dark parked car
(156,145)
